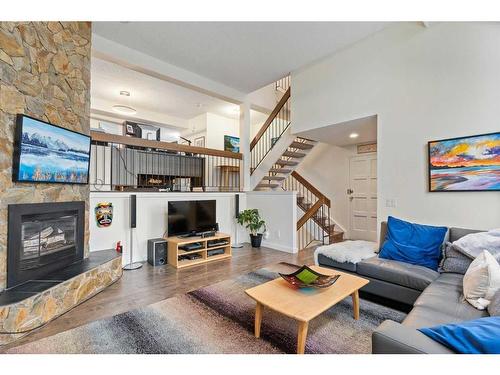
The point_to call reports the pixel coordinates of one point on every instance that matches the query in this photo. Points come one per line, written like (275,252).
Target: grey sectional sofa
(436,299)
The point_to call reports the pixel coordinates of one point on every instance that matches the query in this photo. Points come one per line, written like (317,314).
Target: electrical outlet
(390,202)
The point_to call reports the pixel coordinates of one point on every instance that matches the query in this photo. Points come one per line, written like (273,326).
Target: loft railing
(120,163)
(274,127)
(314,225)
(282,84)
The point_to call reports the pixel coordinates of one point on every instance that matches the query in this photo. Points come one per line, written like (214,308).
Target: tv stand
(212,248)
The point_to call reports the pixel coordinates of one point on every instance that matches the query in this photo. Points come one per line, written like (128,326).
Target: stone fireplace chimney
(45,69)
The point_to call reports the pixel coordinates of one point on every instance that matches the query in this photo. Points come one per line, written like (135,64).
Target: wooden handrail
(310,213)
(139,142)
(270,119)
(311,188)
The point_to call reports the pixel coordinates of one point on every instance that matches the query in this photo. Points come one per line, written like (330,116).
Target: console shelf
(174,252)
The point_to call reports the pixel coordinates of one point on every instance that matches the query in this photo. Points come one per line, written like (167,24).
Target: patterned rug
(219,319)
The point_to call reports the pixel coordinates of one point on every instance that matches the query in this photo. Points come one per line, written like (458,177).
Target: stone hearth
(28,307)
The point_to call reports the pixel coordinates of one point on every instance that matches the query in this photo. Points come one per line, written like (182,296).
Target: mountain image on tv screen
(48,153)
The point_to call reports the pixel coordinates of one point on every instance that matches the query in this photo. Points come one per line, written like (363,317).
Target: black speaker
(157,251)
(133,211)
(237,205)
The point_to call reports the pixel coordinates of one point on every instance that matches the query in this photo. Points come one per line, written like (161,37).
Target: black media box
(157,251)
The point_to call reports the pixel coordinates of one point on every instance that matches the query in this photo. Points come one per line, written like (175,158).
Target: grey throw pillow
(454,261)
(494,306)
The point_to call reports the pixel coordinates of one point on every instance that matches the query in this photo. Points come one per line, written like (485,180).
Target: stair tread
(280,170)
(275,178)
(264,184)
(293,154)
(301,145)
(286,162)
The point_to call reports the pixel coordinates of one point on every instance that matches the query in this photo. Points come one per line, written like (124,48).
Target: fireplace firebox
(43,238)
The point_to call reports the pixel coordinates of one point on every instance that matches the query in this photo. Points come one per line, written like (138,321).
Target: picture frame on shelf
(199,142)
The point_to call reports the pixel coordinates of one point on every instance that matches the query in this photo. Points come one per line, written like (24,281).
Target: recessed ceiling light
(353,135)
(124,109)
(125,93)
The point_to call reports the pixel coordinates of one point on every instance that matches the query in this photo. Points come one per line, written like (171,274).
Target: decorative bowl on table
(305,277)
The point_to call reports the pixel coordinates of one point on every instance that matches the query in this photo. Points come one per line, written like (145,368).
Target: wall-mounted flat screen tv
(48,153)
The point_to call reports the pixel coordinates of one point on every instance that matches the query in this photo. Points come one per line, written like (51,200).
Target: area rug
(219,319)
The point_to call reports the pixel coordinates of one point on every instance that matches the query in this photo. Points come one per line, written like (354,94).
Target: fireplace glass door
(45,238)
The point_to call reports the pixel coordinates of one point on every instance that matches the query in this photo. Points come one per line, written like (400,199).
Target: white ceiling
(149,94)
(338,134)
(243,55)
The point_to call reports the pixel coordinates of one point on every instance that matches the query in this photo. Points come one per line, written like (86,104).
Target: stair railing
(315,224)
(274,127)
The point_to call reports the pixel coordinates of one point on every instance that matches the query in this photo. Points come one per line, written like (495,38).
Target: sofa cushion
(442,302)
(482,280)
(494,306)
(404,274)
(479,336)
(457,233)
(329,262)
(454,261)
(413,243)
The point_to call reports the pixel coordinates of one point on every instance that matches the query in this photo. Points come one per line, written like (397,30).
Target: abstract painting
(465,164)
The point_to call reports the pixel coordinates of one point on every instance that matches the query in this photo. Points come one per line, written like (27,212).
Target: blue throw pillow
(479,336)
(413,243)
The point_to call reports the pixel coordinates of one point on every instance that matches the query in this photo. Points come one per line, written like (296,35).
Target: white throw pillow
(482,280)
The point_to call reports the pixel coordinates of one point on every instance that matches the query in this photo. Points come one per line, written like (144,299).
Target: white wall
(213,127)
(279,210)
(218,127)
(327,167)
(424,84)
(152,219)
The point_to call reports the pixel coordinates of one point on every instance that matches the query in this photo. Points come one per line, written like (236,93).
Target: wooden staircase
(315,225)
(275,153)
(285,165)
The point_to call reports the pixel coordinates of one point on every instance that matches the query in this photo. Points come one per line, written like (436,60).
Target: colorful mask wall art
(104,214)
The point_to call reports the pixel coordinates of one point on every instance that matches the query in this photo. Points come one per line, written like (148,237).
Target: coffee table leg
(258,318)
(355,304)
(301,337)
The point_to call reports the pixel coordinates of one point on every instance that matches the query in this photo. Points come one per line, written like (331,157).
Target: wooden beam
(271,118)
(139,142)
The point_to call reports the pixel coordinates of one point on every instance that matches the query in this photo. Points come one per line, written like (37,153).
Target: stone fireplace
(43,238)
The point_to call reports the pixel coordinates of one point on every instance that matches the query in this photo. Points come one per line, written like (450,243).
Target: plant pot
(256,239)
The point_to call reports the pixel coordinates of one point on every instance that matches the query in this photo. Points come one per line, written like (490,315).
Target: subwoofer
(157,251)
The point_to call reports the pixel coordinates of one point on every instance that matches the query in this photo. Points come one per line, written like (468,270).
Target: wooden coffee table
(304,305)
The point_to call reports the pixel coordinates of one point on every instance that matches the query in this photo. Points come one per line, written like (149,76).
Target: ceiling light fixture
(353,135)
(124,109)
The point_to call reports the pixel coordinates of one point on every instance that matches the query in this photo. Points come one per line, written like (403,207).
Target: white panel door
(362,195)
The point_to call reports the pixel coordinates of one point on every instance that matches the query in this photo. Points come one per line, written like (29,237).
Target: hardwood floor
(152,284)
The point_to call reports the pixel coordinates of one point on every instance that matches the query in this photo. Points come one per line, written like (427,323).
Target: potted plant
(253,222)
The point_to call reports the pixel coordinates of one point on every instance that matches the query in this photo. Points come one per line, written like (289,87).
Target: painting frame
(430,169)
(229,139)
(17,152)
(199,142)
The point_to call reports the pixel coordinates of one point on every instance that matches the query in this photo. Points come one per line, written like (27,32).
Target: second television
(187,218)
